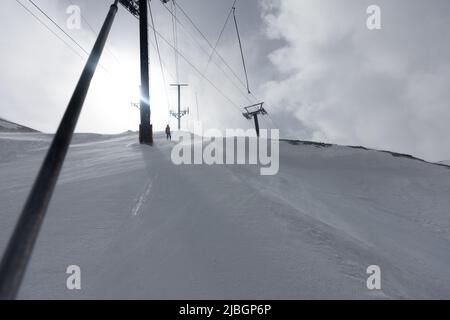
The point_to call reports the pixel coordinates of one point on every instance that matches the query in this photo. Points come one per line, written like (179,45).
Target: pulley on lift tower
(133,6)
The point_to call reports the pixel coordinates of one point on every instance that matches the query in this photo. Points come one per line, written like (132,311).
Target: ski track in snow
(143,197)
(140,227)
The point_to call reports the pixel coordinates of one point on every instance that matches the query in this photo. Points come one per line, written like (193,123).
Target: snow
(8,125)
(142,228)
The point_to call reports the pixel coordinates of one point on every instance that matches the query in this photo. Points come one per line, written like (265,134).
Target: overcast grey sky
(323,74)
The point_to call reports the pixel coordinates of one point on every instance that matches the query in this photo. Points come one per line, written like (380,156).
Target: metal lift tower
(138,8)
(253,112)
(181,113)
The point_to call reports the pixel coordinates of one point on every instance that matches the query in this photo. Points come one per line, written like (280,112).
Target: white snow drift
(140,227)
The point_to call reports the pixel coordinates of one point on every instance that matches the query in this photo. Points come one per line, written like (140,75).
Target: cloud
(39,72)
(346,84)
(321,72)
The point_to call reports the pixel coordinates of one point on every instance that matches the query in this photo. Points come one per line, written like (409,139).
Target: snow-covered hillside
(7,126)
(141,227)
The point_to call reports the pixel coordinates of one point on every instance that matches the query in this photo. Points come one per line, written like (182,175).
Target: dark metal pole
(20,246)
(255,116)
(145,129)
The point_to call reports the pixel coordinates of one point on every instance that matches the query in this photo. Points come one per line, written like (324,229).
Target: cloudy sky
(322,73)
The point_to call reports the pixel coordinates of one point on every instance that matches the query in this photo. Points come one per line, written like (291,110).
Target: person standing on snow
(168,133)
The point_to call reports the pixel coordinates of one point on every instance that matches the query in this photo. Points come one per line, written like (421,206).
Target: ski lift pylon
(252,112)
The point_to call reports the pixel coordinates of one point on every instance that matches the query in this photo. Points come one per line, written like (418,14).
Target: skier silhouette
(168,133)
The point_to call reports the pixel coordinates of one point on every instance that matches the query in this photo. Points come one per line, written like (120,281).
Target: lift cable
(175,39)
(164,65)
(243,62)
(218,54)
(160,60)
(49,29)
(196,69)
(57,25)
(235,105)
(163,62)
(232,81)
(62,30)
(220,37)
(214,50)
(209,44)
(240,46)
(95,33)
(64,41)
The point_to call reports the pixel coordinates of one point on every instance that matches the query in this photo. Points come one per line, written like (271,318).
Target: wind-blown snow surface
(7,126)
(140,227)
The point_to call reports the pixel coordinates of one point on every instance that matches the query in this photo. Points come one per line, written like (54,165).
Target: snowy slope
(140,227)
(7,126)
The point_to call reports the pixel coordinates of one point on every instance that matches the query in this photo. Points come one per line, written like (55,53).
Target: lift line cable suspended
(196,69)
(57,35)
(57,25)
(62,30)
(202,75)
(233,10)
(160,60)
(73,40)
(233,82)
(235,105)
(177,20)
(164,64)
(83,18)
(95,33)
(217,53)
(61,39)
(175,39)
(209,44)
(243,61)
(214,50)
(219,38)
(240,46)
(49,29)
